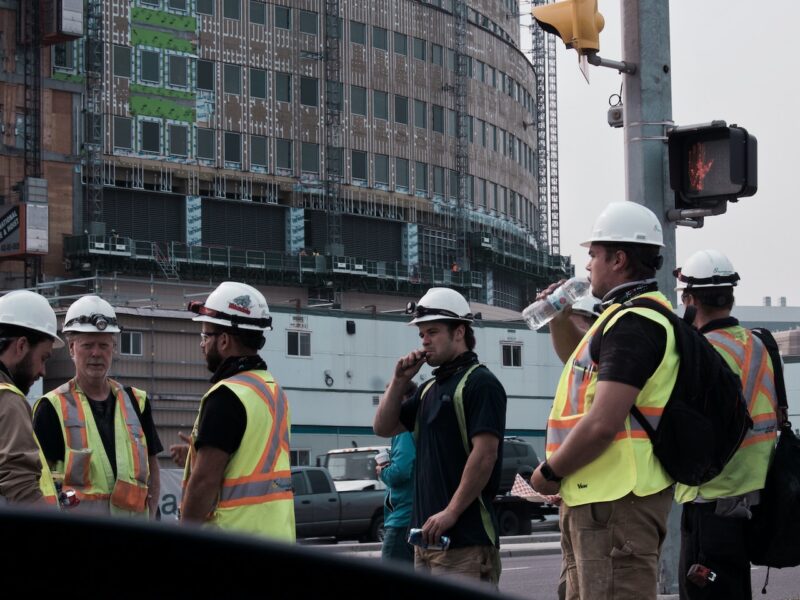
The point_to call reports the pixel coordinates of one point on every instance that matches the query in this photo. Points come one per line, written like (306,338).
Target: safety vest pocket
(76,472)
(128,496)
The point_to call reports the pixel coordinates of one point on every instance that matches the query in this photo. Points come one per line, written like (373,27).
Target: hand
(379,468)
(541,485)
(554,500)
(549,290)
(179,452)
(437,525)
(409,365)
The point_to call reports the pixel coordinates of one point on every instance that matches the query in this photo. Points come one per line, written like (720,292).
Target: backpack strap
(765,335)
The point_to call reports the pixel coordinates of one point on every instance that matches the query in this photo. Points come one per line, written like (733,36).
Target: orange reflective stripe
(74,419)
(135,435)
(266,487)
(129,496)
(761,437)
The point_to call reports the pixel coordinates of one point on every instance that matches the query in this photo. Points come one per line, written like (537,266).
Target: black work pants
(719,544)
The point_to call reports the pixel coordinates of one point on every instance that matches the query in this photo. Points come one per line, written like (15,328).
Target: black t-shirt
(440,450)
(51,438)
(631,350)
(223,421)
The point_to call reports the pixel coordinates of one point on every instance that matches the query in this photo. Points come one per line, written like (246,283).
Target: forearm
(154,486)
(199,499)
(387,417)
(566,332)
(476,475)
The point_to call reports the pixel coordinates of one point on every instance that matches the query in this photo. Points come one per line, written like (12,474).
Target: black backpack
(706,418)
(773,534)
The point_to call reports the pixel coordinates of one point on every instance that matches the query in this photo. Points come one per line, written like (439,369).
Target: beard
(213,359)
(23,375)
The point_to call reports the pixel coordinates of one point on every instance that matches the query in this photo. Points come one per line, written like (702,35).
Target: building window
(437,118)
(151,137)
(400,44)
(421,177)
(178,5)
(401,173)
(358,100)
(233,79)
(123,133)
(420,114)
(512,354)
(130,343)
(380,105)
(283,87)
(358,32)
(233,147)
(309,158)
(359,165)
(258,13)
(258,83)
(204,7)
(309,22)
(299,458)
(453,184)
(451,122)
(283,154)
(149,66)
(64,55)
(382,169)
(177,71)
(205,75)
(178,140)
(283,17)
(258,151)
(298,343)
(232,9)
(437,52)
(438,181)
(401,110)
(122,61)
(206,147)
(419,49)
(380,38)
(309,91)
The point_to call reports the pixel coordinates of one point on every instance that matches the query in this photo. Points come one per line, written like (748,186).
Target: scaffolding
(333,127)
(32,51)
(93,115)
(552,145)
(462,129)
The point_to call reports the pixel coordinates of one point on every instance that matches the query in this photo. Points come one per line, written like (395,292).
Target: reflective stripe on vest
(747,470)
(628,463)
(46,485)
(264,484)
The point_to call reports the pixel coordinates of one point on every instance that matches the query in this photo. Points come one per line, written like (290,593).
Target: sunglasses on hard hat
(99,322)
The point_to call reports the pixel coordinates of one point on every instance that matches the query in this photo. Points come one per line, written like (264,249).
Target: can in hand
(68,499)
(382,458)
(415,538)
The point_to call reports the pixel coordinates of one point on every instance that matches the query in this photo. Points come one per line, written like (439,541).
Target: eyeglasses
(204,335)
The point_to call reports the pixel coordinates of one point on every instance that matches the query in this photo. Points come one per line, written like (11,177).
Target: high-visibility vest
(87,468)
(256,494)
(628,463)
(747,470)
(46,484)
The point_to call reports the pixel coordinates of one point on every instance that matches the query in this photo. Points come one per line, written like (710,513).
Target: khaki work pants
(473,562)
(611,549)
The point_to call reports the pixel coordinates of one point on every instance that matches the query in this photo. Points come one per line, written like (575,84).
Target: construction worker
(96,434)
(27,337)
(715,514)
(237,473)
(615,494)
(458,419)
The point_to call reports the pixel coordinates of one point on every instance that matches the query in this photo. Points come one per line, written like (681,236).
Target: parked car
(321,511)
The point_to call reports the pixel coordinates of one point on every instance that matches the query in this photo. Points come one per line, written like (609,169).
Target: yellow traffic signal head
(577,22)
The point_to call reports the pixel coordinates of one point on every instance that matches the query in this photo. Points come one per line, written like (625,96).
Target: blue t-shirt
(399,480)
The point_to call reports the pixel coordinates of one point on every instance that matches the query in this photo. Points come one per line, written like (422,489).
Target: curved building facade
(346,153)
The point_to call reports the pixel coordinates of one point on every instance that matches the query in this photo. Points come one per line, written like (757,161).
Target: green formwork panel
(156,107)
(163,19)
(68,77)
(137,88)
(141,36)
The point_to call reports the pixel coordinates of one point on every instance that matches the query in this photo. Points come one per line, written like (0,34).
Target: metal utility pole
(647,101)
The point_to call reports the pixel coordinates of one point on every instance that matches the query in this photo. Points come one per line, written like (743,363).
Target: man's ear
(620,260)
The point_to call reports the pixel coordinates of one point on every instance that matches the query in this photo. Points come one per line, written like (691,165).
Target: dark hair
(249,338)
(469,334)
(8,333)
(712,297)
(643,260)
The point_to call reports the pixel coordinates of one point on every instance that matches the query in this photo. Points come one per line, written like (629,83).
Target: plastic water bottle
(541,312)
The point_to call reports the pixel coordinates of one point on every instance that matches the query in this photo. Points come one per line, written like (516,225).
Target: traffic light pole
(647,103)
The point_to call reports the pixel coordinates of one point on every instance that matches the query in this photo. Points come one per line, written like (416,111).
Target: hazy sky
(731,60)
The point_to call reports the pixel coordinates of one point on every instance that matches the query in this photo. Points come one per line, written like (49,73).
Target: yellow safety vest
(86,467)
(628,464)
(747,470)
(256,495)
(46,484)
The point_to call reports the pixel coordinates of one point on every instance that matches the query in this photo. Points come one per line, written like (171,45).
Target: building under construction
(340,145)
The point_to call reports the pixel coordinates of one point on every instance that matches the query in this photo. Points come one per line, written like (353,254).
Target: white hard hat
(31,311)
(588,306)
(706,269)
(235,305)
(440,304)
(90,314)
(626,222)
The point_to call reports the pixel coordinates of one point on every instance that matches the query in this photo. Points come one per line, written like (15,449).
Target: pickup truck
(321,511)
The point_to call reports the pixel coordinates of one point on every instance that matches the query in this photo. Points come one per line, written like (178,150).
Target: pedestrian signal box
(710,164)
(576,22)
